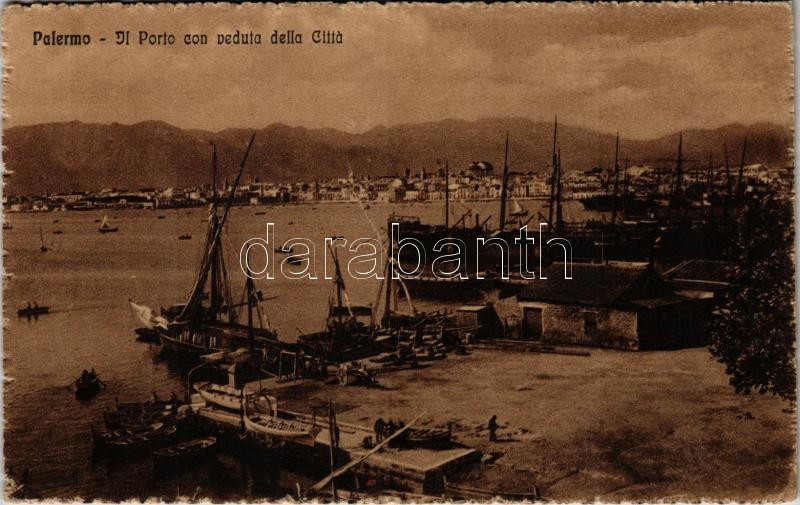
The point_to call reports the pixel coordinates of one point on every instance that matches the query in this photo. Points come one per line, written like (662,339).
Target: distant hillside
(78,156)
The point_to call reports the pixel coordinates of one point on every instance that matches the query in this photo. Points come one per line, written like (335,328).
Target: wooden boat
(270,424)
(210,319)
(162,217)
(58,232)
(426,436)
(260,213)
(107,228)
(221,396)
(7,226)
(179,453)
(132,439)
(147,405)
(87,385)
(185,236)
(36,310)
(125,419)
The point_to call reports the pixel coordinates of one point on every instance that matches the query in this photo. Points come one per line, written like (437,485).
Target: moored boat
(268,423)
(221,396)
(180,453)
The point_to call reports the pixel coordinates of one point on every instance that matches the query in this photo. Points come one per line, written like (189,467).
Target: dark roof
(700,270)
(596,284)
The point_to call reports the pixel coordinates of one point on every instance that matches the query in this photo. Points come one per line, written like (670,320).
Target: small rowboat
(133,438)
(179,453)
(221,396)
(185,236)
(426,436)
(270,424)
(107,228)
(147,335)
(126,419)
(87,385)
(33,311)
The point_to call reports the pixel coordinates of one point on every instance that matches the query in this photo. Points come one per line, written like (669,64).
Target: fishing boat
(126,419)
(185,236)
(209,321)
(107,228)
(180,453)
(87,385)
(268,423)
(219,395)
(350,331)
(149,335)
(33,310)
(260,213)
(58,232)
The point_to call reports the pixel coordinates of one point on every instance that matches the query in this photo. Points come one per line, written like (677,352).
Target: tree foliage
(753,327)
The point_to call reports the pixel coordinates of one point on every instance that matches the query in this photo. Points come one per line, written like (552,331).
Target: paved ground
(614,426)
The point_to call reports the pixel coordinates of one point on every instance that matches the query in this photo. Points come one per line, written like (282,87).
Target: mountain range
(75,156)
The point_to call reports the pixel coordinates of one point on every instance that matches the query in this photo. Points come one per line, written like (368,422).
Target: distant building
(618,305)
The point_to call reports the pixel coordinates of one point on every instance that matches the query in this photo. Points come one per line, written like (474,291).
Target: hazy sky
(646,70)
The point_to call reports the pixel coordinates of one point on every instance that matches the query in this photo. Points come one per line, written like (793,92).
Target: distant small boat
(107,228)
(281,250)
(55,221)
(185,236)
(35,310)
(260,213)
(58,232)
(517,210)
(294,260)
(7,226)
(162,217)
(43,247)
(87,385)
(96,220)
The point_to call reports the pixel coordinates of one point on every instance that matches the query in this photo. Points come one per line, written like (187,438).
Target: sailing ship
(107,228)
(350,331)
(517,210)
(198,328)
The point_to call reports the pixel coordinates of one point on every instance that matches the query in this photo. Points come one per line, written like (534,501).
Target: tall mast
(728,181)
(215,247)
(676,188)
(504,189)
(740,182)
(559,213)
(616,183)
(553,176)
(447,195)
(388,307)
(250,288)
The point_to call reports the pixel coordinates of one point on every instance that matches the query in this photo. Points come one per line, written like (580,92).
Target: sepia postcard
(399,253)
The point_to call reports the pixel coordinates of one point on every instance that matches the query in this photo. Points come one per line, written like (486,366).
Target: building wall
(571,324)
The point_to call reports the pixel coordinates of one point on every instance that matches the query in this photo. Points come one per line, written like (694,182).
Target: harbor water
(86,278)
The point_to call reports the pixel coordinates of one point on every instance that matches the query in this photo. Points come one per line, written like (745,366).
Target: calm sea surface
(86,278)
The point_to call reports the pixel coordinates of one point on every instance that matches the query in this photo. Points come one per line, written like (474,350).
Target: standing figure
(493,429)
(380,425)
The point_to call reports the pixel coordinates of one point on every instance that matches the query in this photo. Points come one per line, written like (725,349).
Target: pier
(416,470)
